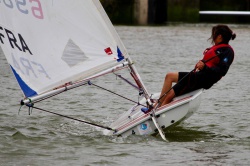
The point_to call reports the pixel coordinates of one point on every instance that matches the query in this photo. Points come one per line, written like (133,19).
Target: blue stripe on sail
(120,56)
(26,89)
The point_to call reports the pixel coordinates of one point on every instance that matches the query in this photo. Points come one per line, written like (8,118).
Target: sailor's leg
(168,97)
(169,79)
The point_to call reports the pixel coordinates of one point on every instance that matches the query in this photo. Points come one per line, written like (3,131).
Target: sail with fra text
(48,45)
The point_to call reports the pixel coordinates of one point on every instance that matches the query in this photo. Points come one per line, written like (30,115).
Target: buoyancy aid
(211,52)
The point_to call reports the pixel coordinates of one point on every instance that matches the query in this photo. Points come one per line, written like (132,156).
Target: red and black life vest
(209,53)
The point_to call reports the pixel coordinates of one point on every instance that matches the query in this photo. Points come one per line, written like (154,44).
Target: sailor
(214,65)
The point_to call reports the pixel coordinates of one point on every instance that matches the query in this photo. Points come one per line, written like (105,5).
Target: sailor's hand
(200,65)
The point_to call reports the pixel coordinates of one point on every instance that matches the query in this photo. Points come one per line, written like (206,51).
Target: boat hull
(136,122)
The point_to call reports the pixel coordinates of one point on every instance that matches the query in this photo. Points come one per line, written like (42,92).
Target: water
(217,134)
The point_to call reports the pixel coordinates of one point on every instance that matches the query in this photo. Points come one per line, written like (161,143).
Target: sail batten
(54,42)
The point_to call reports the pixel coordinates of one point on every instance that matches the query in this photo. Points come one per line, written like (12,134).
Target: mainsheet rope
(31,106)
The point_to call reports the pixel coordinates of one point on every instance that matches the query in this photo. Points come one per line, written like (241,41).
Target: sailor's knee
(171,76)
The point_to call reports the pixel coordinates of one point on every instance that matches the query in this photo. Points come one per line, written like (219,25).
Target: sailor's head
(222,34)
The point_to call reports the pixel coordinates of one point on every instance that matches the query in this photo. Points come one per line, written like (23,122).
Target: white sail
(51,42)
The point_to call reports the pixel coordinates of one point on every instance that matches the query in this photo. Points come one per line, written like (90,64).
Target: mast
(138,80)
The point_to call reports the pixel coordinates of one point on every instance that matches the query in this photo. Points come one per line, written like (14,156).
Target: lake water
(217,134)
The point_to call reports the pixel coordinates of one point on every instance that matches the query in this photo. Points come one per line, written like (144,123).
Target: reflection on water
(183,134)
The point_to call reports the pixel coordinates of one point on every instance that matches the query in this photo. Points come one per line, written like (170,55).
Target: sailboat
(53,46)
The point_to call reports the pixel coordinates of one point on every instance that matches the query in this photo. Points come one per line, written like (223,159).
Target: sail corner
(119,54)
(28,92)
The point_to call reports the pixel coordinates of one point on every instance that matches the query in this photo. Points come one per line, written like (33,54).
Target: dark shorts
(190,81)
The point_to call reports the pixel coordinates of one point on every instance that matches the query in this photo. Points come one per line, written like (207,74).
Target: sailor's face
(218,39)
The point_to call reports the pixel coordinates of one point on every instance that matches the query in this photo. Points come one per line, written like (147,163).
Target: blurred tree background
(146,12)
(119,11)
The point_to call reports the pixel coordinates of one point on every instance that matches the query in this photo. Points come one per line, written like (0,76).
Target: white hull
(136,122)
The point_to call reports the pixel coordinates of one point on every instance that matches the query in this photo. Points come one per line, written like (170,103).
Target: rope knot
(89,82)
